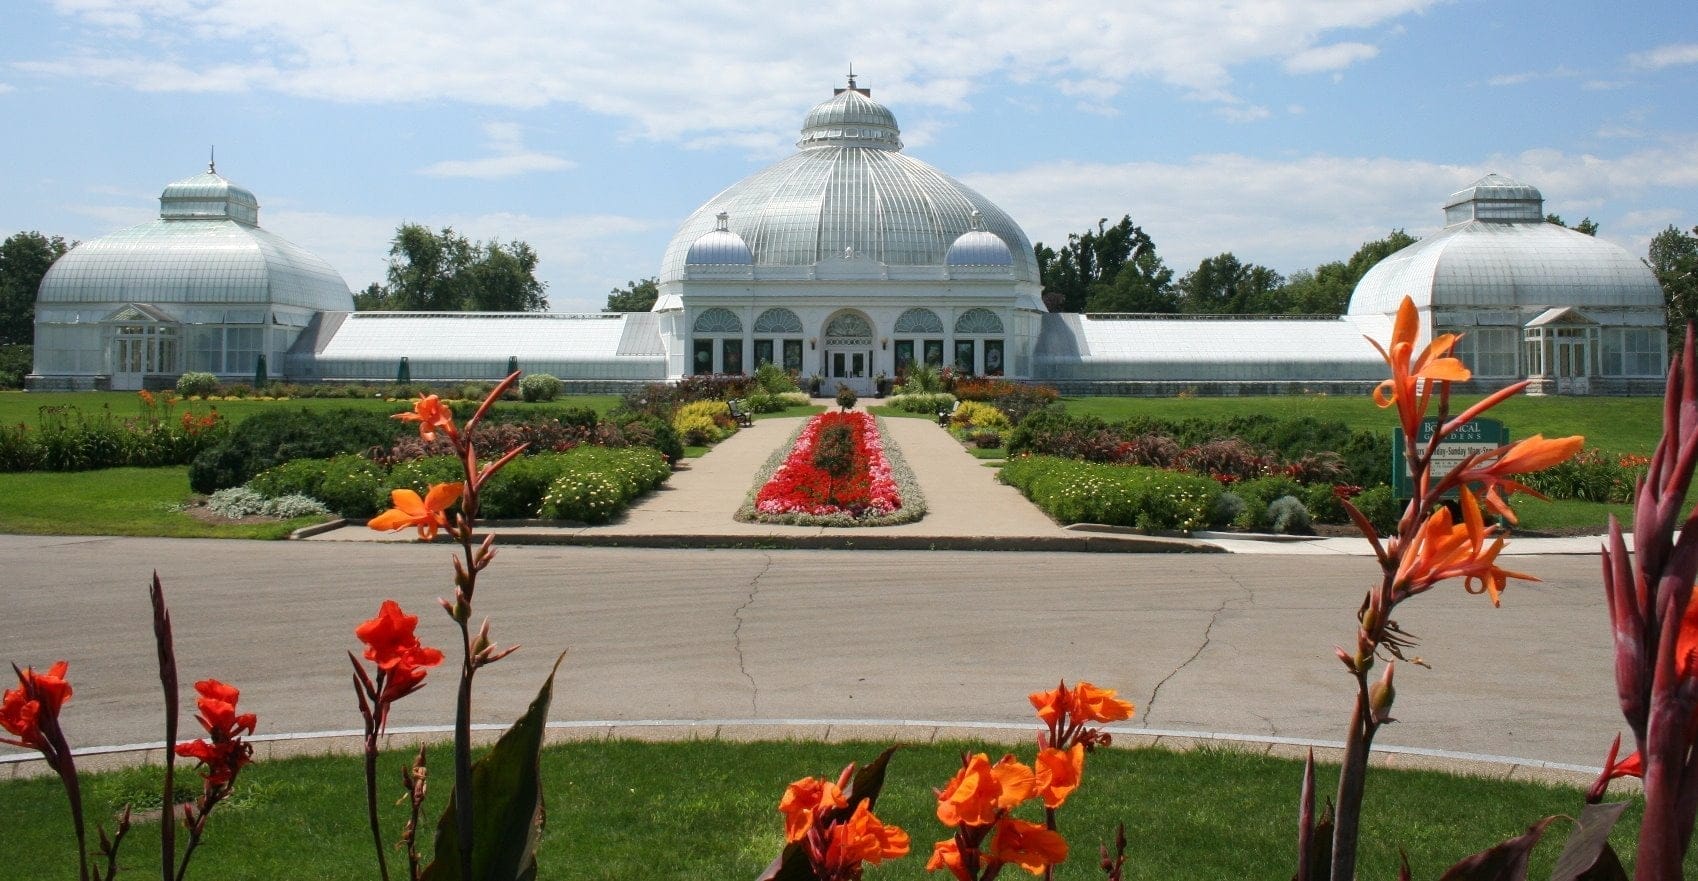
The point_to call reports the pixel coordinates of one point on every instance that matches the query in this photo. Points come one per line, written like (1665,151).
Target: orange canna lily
(1443,549)
(1434,364)
(980,790)
(38,696)
(410,510)
(1093,704)
(430,413)
(804,800)
(1533,454)
(864,838)
(1027,845)
(1059,773)
(947,855)
(1052,705)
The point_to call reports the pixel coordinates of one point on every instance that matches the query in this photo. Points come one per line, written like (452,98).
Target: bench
(740,413)
(943,415)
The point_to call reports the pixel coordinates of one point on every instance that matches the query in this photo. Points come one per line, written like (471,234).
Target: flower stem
(371,799)
(1352,781)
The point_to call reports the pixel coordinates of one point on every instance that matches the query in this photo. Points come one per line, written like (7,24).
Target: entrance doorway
(1572,377)
(850,367)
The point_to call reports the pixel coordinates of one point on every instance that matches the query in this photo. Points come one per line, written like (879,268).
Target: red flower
(390,640)
(224,753)
(38,696)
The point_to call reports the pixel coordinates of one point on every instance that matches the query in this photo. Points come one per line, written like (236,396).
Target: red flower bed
(800,486)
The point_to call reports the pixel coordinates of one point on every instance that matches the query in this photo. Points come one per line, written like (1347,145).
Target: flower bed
(836,471)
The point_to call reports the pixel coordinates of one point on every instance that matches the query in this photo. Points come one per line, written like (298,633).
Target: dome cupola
(720,247)
(208,196)
(978,247)
(1495,199)
(851,118)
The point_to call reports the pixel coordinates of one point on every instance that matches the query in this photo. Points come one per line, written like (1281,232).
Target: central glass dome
(849,190)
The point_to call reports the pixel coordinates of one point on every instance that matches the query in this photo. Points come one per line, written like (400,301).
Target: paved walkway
(967,509)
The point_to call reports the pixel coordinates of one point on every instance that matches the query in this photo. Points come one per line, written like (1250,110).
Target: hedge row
(585,484)
(67,439)
(1085,492)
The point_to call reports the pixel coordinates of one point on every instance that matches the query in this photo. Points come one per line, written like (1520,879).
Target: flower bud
(1380,697)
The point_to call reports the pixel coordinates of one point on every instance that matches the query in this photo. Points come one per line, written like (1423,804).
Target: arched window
(778,339)
(717,343)
(919,340)
(979,345)
(717,320)
(849,326)
(919,321)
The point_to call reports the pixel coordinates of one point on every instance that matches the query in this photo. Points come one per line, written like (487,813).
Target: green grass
(116,501)
(700,810)
(887,410)
(796,410)
(25,407)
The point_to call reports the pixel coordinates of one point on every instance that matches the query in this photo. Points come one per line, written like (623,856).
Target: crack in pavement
(737,634)
(1208,636)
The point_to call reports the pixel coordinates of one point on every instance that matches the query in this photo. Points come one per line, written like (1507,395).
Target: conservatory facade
(848,260)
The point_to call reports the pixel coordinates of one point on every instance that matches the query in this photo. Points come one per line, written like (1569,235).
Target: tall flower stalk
(429,515)
(1431,544)
(1655,625)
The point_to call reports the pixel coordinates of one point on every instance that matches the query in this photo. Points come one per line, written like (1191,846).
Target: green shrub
(273,437)
(583,496)
(1323,504)
(774,380)
(516,491)
(1380,507)
(16,361)
(1120,495)
(539,387)
(352,485)
(704,422)
(921,379)
(596,484)
(298,477)
(1287,516)
(1228,507)
(419,475)
(1258,493)
(194,384)
(929,403)
(1593,476)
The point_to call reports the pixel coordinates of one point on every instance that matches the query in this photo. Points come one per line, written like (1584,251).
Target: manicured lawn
(707,810)
(888,411)
(115,501)
(797,410)
(25,407)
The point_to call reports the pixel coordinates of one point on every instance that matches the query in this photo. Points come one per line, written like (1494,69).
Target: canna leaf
(1587,855)
(1504,861)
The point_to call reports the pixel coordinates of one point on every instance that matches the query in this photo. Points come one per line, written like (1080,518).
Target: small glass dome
(978,247)
(721,247)
(851,118)
(208,196)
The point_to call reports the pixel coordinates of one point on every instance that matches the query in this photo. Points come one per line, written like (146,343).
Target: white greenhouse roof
(457,345)
(1208,348)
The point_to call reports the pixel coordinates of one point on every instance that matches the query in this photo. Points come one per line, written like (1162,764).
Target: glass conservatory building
(203,288)
(849,259)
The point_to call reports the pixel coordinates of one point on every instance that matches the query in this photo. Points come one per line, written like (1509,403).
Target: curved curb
(275,746)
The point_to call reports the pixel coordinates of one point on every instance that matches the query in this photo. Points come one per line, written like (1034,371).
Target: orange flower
(979,791)
(390,640)
(864,839)
(1028,845)
(427,513)
(1533,454)
(1059,773)
(947,855)
(1435,363)
(1052,705)
(1093,704)
(804,800)
(38,695)
(1443,549)
(430,413)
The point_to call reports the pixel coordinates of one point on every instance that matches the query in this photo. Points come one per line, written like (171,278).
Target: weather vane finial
(212,159)
(851,74)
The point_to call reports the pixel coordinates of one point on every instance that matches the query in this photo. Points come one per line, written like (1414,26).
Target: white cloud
(1295,214)
(1528,76)
(1334,57)
(506,140)
(1671,55)
(7,87)
(734,72)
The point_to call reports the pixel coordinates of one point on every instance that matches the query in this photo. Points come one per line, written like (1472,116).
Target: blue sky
(1286,132)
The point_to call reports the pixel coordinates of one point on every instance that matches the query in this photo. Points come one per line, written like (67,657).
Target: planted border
(913,501)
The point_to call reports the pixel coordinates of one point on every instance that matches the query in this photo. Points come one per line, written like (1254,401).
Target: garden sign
(1475,436)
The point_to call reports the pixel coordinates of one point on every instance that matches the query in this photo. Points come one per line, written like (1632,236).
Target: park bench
(944,415)
(740,412)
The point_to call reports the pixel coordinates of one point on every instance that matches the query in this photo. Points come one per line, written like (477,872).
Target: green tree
(446,272)
(1586,224)
(1673,258)
(1224,285)
(375,298)
(635,296)
(1326,290)
(1092,259)
(24,259)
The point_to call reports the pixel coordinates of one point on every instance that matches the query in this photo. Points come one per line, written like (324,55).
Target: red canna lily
(38,696)
(428,514)
(430,413)
(1435,363)
(224,754)
(1093,704)
(805,800)
(1027,845)
(390,641)
(863,838)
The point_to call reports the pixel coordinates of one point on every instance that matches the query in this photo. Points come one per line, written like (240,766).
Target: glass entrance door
(850,367)
(1571,367)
